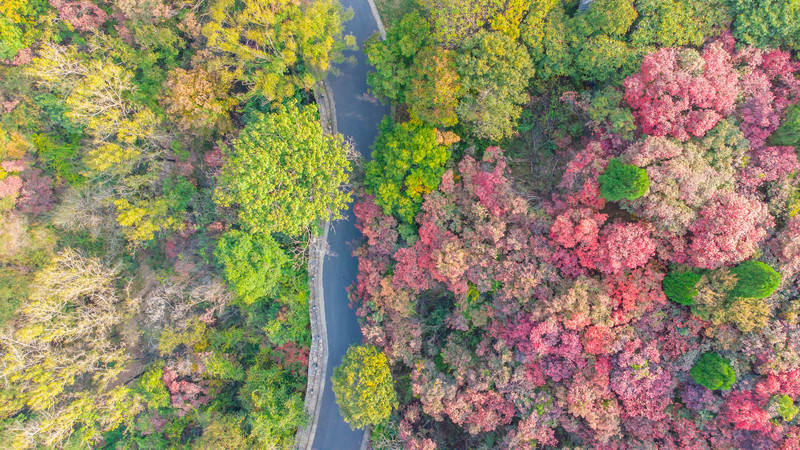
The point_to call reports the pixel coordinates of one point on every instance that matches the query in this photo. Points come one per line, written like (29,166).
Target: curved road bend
(357,117)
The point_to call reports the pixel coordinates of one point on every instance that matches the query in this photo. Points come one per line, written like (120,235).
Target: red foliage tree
(728,231)
(81,14)
(680,93)
(624,246)
(36,195)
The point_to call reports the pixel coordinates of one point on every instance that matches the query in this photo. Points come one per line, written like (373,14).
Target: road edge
(318,248)
(376,15)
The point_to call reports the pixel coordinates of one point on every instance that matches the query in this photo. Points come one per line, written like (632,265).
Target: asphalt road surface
(357,116)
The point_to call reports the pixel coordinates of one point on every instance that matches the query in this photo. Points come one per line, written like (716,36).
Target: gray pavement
(357,116)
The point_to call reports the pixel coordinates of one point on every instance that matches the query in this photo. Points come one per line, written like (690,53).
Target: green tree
(607,17)
(713,372)
(364,387)
(788,133)
(284,174)
(252,263)
(784,404)
(407,163)
(623,181)
(410,69)
(494,71)
(10,39)
(754,279)
(767,23)
(680,286)
(395,56)
(274,402)
(674,23)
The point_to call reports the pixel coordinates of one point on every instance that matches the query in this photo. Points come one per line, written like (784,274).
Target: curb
(318,354)
(377,18)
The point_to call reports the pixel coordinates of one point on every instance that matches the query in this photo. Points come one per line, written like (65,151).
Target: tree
(252,263)
(701,90)
(145,218)
(407,163)
(410,69)
(62,358)
(10,39)
(284,174)
(754,279)
(673,23)
(434,89)
(767,23)
(494,71)
(20,25)
(274,404)
(395,56)
(788,133)
(679,286)
(81,14)
(728,230)
(624,246)
(364,387)
(198,98)
(713,372)
(277,46)
(453,21)
(623,181)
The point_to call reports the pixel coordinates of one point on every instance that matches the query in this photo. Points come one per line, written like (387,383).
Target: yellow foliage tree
(276,46)
(61,360)
(364,386)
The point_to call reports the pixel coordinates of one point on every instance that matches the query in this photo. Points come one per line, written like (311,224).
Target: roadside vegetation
(162,167)
(608,255)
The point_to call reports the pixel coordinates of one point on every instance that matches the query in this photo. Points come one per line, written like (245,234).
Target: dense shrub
(118,327)
(623,181)
(503,298)
(713,372)
(679,286)
(754,279)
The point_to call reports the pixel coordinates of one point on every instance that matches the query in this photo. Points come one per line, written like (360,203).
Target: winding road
(357,117)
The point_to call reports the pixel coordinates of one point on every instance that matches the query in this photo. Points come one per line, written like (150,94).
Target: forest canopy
(608,260)
(580,222)
(153,285)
